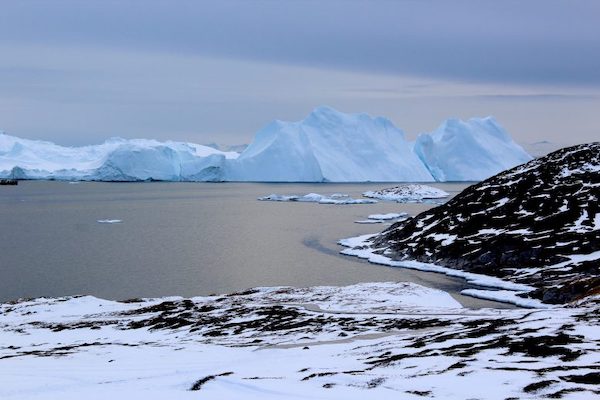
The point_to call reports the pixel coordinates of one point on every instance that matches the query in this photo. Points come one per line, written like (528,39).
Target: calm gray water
(186,239)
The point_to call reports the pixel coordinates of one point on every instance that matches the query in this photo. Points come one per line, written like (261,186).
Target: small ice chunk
(387,217)
(109,221)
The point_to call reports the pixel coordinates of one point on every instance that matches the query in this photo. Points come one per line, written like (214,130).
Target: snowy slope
(114,160)
(329,146)
(365,341)
(468,151)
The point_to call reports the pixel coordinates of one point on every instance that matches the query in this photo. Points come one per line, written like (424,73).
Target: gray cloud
(77,72)
(533,42)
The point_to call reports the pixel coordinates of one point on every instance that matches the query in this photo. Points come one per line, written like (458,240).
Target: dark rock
(516,225)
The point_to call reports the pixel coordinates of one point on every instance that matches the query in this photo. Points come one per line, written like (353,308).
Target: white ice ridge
(407,193)
(109,221)
(326,146)
(336,198)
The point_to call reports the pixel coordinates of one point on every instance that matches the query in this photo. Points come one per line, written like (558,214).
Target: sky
(77,72)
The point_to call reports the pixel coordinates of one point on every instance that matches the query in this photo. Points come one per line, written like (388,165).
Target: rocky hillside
(537,224)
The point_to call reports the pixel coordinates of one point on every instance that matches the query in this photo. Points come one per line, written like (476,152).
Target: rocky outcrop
(537,224)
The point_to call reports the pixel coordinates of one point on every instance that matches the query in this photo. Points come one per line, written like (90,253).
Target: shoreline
(490,287)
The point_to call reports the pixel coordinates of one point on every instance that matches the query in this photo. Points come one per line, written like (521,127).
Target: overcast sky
(76,72)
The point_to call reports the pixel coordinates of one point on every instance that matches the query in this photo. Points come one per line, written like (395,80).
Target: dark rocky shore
(537,224)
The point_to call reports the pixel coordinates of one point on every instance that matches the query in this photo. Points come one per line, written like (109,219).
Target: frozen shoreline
(499,290)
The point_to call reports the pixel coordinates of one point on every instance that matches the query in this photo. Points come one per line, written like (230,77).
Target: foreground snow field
(326,146)
(381,340)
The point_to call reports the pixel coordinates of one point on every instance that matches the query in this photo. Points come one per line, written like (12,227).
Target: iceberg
(329,146)
(326,146)
(468,151)
(114,160)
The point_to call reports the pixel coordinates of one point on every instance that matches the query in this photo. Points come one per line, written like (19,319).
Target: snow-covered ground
(375,340)
(326,146)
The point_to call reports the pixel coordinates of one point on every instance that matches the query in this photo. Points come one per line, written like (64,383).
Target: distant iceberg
(468,151)
(114,160)
(329,146)
(326,146)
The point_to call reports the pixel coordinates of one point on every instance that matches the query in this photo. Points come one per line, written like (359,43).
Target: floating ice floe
(387,217)
(407,193)
(335,198)
(380,218)
(109,221)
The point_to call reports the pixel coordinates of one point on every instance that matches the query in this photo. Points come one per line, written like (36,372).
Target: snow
(495,288)
(444,238)
(335,198)
(470,150)
(376,340)
(407,193)
(506,296)
(326,146)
